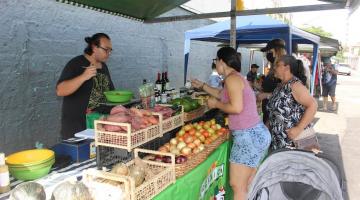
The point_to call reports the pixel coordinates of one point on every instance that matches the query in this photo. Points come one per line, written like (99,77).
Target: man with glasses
(83,82)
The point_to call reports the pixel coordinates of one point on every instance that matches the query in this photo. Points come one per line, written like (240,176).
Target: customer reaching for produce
(83,82)
(250,135)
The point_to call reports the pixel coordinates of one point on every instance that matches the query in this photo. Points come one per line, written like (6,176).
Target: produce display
(188,103)
(138,118)
(190,140)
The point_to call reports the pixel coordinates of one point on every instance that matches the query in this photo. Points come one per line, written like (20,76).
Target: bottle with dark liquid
(163,83)
(158,82)
(167,84)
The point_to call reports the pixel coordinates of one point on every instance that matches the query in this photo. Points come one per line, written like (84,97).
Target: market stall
(172,142)
(255,29)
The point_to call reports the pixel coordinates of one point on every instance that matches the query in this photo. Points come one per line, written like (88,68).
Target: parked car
(344,69)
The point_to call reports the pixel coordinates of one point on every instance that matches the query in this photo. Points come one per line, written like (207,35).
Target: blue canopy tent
(253,30)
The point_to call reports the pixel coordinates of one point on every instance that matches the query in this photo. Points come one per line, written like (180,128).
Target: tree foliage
(317,30)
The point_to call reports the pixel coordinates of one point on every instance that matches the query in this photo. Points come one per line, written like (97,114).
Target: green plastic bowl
(31,173)
(119,96)
(34,166)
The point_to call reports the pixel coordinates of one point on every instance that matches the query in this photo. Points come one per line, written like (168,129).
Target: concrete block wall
(38,37)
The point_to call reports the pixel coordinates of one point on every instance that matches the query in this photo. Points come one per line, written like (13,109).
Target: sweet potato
(137,112)
(118,109)
(112,128)
(120,118)
(153,120)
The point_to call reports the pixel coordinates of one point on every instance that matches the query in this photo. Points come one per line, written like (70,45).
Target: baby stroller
(297,175)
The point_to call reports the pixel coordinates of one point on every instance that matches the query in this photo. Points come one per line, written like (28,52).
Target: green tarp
(208,180)
(140,9)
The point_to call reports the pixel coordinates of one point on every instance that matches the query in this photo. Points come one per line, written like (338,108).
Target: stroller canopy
(296,175)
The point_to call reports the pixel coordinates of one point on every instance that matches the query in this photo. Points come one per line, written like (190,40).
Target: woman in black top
(83,82)
(274,50)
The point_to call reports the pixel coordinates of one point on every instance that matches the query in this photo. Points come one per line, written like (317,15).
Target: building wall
(38,37)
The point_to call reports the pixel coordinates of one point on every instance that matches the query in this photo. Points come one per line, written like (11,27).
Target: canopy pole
(314,66)
(233,24)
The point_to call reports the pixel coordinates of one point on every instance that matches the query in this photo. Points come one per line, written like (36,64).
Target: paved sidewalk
(339,131)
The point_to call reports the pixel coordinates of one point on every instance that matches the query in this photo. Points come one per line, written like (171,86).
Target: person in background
(306,63)
(329,85)
(252,74)
(215,79)
(250,135)
(291,107)
(274,49)
(83,82)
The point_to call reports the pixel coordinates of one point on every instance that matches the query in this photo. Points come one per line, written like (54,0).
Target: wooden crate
(195,160)
(125,140)
(172,122)
(188,116)
(164,176)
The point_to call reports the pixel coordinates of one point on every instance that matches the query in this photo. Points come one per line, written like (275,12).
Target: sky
(336,22)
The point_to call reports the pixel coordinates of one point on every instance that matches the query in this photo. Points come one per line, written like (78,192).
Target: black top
(88,96)
(269,84)
(251,76)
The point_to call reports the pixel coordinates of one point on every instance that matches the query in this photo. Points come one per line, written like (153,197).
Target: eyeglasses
(108,51)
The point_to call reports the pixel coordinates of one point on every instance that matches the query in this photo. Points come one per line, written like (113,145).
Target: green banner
(208,181)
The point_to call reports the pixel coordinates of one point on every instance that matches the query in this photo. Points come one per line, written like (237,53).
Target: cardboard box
(78,152)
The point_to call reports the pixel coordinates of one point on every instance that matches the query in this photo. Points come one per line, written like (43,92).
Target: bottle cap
(2,159)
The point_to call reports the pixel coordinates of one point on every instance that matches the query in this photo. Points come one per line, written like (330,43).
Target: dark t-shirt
(88,96)
(251,76)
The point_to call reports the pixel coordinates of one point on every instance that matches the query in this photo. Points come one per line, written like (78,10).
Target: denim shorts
(250,145)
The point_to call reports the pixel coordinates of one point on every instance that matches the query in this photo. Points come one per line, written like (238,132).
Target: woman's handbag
(307,140)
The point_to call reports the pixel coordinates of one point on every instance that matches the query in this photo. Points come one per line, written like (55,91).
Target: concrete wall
(38,37)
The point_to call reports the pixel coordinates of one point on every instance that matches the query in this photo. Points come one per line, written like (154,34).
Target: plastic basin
(31,173)
(119,96)
(30,157)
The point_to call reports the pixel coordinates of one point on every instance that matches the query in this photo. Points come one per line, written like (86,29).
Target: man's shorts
(329,90)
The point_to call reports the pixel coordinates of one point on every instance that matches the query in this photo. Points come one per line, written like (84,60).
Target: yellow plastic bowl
(31,157)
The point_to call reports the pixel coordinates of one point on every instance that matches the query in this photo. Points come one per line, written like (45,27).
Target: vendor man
(82,84)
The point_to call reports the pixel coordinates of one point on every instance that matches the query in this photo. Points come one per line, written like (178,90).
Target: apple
(189,139)
(202,138)
(206,134)
(197,142)
(175,151)
(213,121)
(198,127)
(192,131)
(206,126)
(181,132)
(187,127)
(211,131)
(191,145)
(214,127)
(181,139)
(218,126)
(186,151)
(202,130)
(197,133)
(195,124)
(163,149)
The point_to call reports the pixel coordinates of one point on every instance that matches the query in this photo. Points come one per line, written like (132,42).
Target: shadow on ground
(330,146)
(328,110)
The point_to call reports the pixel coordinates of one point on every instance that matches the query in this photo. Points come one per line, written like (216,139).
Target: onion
(181,145)
(120,169)
(180,159)
(173,141)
